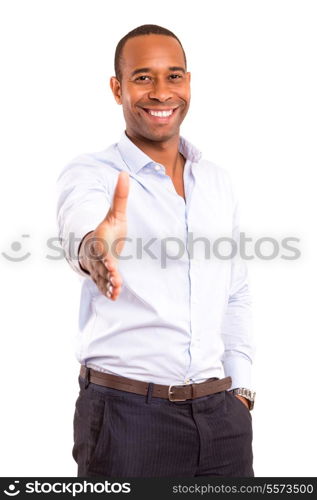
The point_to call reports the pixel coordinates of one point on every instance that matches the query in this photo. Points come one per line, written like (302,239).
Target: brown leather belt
(172,392)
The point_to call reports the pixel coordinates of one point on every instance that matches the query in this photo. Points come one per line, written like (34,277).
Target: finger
(120,197)
(110,264)
(100,270)
(115,280)
(108,281)
(115,293)
(113,287)
(101,284)
(105,266)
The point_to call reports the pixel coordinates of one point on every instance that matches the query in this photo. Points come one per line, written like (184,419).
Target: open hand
(100,249)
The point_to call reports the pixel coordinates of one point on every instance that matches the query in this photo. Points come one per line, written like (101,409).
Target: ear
(188,74)
(116,89)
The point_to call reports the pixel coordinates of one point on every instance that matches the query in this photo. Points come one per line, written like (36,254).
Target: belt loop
(149,393)
(87,377)
(193,391)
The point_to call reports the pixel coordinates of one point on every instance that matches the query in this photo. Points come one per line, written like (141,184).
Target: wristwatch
(246,393)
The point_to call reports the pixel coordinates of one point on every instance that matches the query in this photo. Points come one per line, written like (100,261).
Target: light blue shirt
(183,314)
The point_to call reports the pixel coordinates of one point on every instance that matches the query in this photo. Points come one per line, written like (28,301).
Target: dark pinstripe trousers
(120,434)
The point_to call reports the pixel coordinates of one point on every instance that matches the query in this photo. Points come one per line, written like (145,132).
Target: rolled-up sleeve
(82,203)
(237,326)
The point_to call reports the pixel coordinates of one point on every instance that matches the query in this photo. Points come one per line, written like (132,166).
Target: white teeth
(160,113)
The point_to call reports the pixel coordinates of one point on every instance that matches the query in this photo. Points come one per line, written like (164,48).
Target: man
(164,327)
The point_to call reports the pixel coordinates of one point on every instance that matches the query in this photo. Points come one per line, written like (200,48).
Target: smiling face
(155,88)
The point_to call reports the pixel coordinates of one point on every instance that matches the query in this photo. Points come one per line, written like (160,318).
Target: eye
(176,76)
(142,78)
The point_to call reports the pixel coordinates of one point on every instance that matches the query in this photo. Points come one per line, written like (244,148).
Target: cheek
(187,95)
(184,95)
(128,104)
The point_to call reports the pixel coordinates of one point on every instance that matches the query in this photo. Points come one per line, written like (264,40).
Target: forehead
(154,51)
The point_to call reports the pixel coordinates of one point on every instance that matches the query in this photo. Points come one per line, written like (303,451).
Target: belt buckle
(170,392)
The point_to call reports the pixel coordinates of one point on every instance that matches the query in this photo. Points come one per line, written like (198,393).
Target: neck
(164,152)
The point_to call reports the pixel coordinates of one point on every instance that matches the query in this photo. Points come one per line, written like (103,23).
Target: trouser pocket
(88,423)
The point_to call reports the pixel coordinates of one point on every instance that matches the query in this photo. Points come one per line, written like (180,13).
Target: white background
(253,111)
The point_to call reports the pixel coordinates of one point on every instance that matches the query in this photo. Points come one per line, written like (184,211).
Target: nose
(160,90)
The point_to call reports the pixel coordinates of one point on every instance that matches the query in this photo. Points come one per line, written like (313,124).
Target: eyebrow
(148,70)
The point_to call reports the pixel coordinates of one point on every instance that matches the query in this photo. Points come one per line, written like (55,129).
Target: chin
(161,135)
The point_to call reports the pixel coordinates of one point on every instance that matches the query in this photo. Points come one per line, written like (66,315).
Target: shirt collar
(136,159)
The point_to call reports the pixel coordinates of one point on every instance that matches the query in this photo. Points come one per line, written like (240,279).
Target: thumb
(120,197)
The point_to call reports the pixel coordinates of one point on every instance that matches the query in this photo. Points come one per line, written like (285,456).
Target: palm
(112,231)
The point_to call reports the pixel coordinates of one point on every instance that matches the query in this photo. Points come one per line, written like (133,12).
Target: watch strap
(246,393)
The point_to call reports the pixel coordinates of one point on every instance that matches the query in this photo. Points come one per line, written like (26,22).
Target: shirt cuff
(238,367)
(73,234)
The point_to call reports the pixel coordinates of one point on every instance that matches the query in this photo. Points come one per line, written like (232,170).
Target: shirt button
(187,381)
(157,167)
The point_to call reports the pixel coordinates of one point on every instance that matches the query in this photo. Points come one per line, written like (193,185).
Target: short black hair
(145,29)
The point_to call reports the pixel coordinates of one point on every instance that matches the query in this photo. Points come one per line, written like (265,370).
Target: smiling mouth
(160,114)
